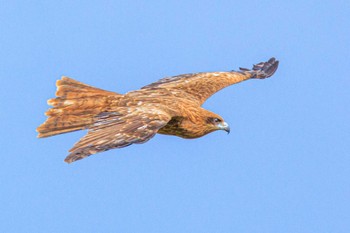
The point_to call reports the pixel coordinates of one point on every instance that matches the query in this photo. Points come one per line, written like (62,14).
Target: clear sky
(285,167)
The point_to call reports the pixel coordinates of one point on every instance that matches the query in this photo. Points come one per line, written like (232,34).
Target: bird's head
(215,122)
(196,125)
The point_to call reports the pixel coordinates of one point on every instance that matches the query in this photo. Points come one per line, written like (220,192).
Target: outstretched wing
(203,85)
(118,129)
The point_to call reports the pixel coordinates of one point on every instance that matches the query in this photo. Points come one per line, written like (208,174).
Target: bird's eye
(213,120)
(217,120)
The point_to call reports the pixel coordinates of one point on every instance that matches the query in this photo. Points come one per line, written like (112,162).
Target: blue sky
(283,168)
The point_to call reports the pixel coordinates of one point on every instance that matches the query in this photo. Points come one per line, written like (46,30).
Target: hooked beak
(224,126)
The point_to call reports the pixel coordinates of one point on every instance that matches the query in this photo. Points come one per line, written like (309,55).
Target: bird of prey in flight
(170,106)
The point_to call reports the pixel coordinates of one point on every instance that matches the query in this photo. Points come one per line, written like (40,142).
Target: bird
(170,106)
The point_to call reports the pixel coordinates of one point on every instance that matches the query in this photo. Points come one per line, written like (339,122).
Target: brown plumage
(169,106)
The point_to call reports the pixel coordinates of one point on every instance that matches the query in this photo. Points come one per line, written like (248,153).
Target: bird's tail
(74,107)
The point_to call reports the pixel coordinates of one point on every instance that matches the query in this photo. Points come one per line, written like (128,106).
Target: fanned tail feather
(74,108)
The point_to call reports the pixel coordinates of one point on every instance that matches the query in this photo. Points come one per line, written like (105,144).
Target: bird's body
(170,106)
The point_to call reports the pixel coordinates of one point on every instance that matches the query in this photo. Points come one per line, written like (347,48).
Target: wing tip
(263,70)
(78,153)
(74,157)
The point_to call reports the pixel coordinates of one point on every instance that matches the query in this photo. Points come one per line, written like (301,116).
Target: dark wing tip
(263,69)
(72,158)
(77,155)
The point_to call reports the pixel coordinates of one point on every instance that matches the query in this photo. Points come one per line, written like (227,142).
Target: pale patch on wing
(199,86)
